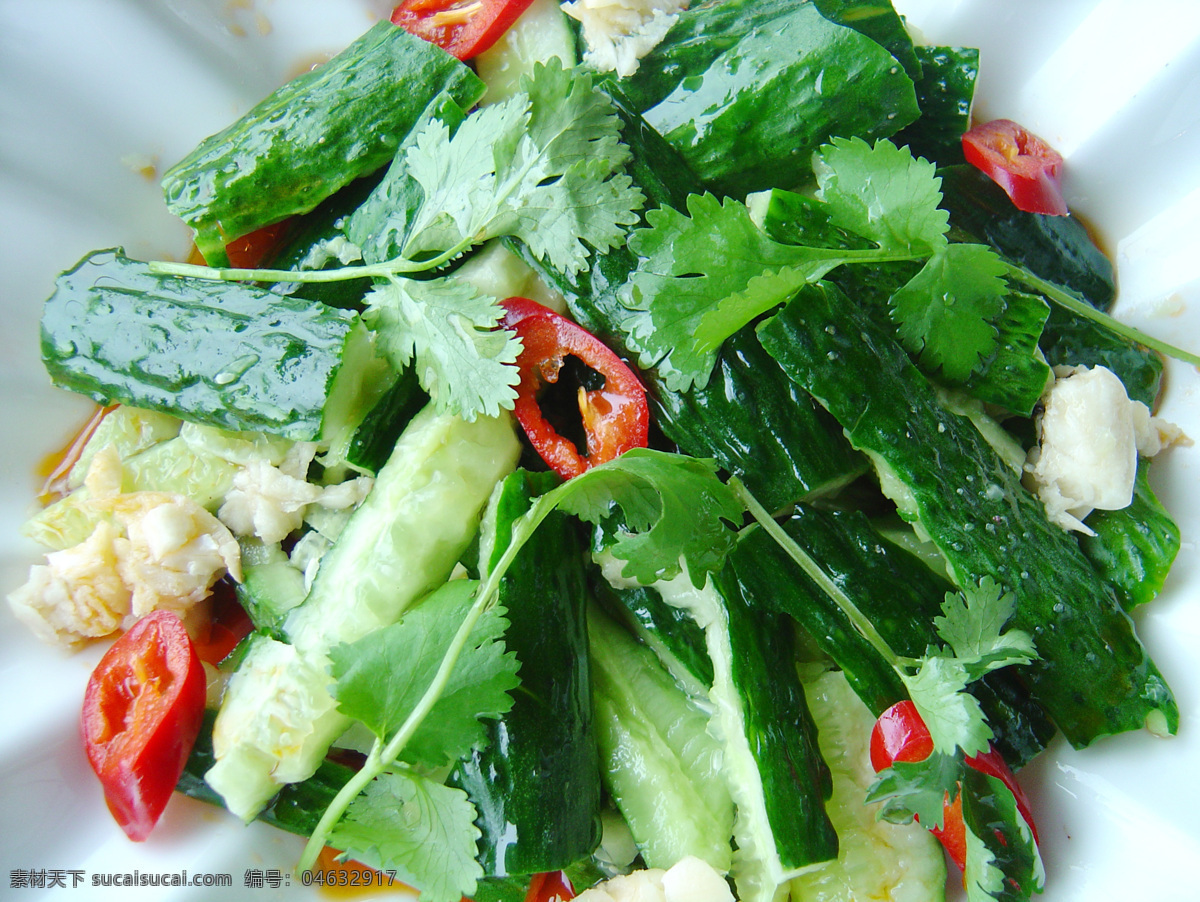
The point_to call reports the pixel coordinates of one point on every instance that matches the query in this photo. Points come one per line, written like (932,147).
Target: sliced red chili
(228,625)
(550,887)
(463,28)
(901,735)
(615,417)
(1020,162)
(141,713)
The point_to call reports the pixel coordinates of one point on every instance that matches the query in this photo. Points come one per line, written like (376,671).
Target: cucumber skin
(1134,547)
(297,808)
(945,90)
(1071,340)
(1057,248)
(780,730)
(729,124)
(542,753)
(210,352)
(1093,677)
(312,136)
(678,634)
(898,593)
(706,30)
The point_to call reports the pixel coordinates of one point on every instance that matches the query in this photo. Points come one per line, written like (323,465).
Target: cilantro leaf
(544,166)
(918,789)
(972,624)
(447,328)
(946,312)
(1003,862)
(883,193)
(675,510)
(421,829)
(952,715)
(382,677)
(455,170)
(700,279)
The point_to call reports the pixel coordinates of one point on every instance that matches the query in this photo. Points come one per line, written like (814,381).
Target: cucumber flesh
(660,765)
(876,859)
(541,33)
(278,718)
(770,761)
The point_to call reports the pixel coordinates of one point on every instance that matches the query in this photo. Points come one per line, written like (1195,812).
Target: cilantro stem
(389,268)
(347,794)
(861,622)
(1073,303)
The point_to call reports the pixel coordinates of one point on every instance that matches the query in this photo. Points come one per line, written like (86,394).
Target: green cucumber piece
(897,592)
(270,585)
(536,783)
(278,718)
(233,356)
(792,218)
(659,764)
(378,431)
(312,136)
(732,128)
(315,240)
(128,430)
(700,34)
(780,733)
(760,427)
(875,857)
(1093,676)
(541,33)
(1134,547)
(178,465)
(1057,248)
(297,808)
(1071,340)
(706,30)
(770,759)
(945,90)
(1012,377)
(878,20)
(669,632)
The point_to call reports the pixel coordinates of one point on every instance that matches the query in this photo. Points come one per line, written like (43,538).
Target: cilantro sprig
(422,685)
(709,270)
(545,166)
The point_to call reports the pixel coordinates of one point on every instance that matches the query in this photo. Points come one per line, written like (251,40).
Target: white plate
(93,92)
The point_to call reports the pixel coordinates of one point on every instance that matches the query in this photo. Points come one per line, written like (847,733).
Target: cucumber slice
(1093,677)
(876,859)
(770,760)
(660,765)
(221,354)
(278,718)
(270,585)
(312,136)
(176,465)
(541,33)
(129,430)
(543,750)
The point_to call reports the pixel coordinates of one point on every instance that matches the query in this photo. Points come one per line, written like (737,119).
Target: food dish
(74,134)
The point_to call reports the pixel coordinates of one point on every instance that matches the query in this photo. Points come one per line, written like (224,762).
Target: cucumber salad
(614,450)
